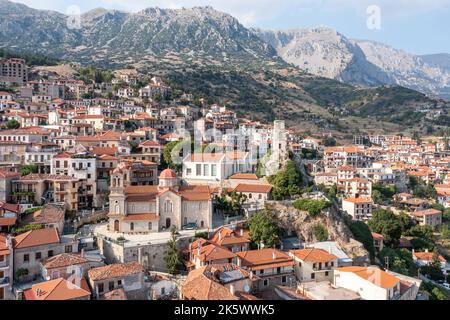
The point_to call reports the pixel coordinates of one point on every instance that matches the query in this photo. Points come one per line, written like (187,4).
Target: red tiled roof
(35,238)
(115,270)
(58,289)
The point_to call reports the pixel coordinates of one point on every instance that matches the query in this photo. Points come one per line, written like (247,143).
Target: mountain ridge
(211,54)
(326,52)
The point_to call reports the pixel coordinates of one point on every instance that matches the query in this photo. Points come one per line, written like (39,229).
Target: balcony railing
(4,280)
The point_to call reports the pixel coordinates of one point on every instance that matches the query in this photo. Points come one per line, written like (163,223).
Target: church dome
(168,174)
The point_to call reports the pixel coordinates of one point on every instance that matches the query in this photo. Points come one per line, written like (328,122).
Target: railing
(4,280)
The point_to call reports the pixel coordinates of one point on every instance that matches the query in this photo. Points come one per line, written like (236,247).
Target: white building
(371,283)
(216,167)
(359,208)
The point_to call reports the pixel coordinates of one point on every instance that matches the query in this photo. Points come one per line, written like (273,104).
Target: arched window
(168,206)
(132,226)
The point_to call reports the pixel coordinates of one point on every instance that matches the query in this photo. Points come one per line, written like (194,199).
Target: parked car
(190,226)
(446,285)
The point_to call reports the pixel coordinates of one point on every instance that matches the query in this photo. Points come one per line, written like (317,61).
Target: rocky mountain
(210,54)
(105,35)
(325,52)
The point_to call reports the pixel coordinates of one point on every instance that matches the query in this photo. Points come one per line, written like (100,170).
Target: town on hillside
(116,186)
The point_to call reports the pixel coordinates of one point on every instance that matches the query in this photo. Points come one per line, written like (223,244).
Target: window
(313,275)
(163,291)
(188,171)
(68,249)
(100,287)
(26,258)
(284,279)
(266,283)
(119,282)
(150,226)
(38,256)
(132,226)
(2,258)
(111,285)
(214,170)
(198,170)
(327,273)
(206,170)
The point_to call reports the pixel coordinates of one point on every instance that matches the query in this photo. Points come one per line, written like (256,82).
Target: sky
(416,26)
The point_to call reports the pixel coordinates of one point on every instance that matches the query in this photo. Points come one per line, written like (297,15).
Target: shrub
(362,233)
(320,232)
(313,207)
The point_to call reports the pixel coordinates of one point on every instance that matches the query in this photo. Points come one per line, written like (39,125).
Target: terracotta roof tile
(314,255)
(58,289)
(115,270)
(35,238)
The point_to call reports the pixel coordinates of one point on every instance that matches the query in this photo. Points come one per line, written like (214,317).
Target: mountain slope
(327,53)
(211,55)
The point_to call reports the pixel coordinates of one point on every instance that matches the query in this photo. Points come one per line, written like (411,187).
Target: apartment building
(270,266)
(39,189)
(32,247)
(127,276)
(13,71)
(313,264)
(359,208)
(6,268)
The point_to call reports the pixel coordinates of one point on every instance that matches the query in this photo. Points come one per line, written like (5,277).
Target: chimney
(232,289)
(274,255)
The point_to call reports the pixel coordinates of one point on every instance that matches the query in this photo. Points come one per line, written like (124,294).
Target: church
(146,209)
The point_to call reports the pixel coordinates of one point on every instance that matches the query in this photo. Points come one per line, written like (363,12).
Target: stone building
(146,209)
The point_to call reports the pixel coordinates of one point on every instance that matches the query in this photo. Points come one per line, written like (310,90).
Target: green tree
(13,124)
(362,233)
(320,233)
(172,258)
(434,292)
(167,154)
(386,223)
(329,142)
(313,207)
(28,169)
(286,182)
(434,270)
(400,260)
(264,228)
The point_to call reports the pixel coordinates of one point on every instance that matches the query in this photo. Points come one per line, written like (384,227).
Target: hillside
(212,55)
(325,52)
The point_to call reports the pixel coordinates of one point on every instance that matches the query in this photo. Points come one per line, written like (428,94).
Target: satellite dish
(247,288)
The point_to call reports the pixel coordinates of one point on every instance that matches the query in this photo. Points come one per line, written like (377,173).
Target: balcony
(4,281)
